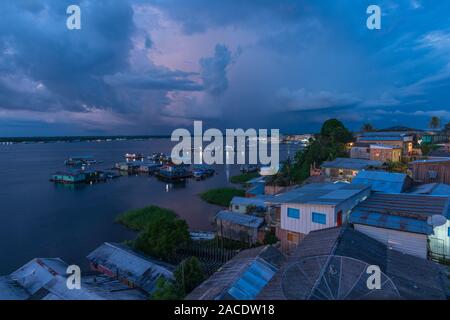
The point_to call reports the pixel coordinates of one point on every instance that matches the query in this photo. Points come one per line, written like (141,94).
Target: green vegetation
(161,231)
(426,148)
(166,290)
(328,145)
(399,167)
(367,127)
(435,122)
(243,178)
(139,218)
(270,238)
(188,275)
(221,196)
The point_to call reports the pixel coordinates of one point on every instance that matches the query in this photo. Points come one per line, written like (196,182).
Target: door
(339,218)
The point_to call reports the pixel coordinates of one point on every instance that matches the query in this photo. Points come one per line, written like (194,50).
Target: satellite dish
(268,171)
(437,220)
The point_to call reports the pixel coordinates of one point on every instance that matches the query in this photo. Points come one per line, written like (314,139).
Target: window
(319,218)
(293,213)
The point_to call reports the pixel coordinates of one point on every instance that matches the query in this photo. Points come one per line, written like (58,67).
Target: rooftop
(320,193)
(46,279)
(383,146)
(130,264)
(241,278)
(348,253)
(404,212)
(255,201)
(351,163)
(435,189)
(240,218)
(382,181)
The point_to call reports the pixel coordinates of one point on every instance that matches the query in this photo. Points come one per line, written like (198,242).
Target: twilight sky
(149,66)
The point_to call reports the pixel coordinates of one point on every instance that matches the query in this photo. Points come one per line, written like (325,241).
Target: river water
(41,219)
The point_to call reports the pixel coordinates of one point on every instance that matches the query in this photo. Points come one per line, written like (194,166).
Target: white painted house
(405,222)
(313,207)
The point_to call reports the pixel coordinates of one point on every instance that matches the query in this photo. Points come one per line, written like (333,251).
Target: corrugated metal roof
(382,181)
(241,278)
(391,222)
(382,138)
(258,202)
(404,212)
(131,265)
(413,277)
(240,218)
(251,282)
(435,189)
(320,193)
(351,163)
(384,133)
(408,205)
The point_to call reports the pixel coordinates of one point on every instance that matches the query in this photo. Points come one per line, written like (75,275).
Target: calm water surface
(41,219)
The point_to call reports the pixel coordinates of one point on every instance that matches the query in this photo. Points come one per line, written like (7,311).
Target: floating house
(46,279)
(431,171)
(200,172)
(312,207)
(345,169)
(333,264)
(413,224)
(128,266)
(239,226)
(173,172)
(241,278)
(134,157)
(80,161)
(382,181)
(69,177)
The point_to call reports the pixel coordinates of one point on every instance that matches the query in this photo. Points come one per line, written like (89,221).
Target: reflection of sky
(145,66)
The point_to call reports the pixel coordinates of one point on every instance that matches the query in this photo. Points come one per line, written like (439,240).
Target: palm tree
(367,127)
(435,122)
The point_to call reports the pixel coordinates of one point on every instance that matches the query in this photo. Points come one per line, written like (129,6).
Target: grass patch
(222,196)
(243,178)
(161,231)
(140,218)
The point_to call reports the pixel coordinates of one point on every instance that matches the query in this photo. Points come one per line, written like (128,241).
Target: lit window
(293,213)
(319,218)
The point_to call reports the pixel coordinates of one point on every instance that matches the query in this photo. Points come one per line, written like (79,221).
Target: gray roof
(46,279)
(320,193)
(131,265)
(349,253)
(382,181)
(254,201)
(241,278)
(405,205)
(351,164)
(240,218)
(435,189)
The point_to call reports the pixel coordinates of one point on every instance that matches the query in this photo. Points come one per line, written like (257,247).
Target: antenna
(436,220)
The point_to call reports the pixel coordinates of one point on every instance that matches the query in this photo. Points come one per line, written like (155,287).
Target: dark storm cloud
(214,70)
(301,61)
